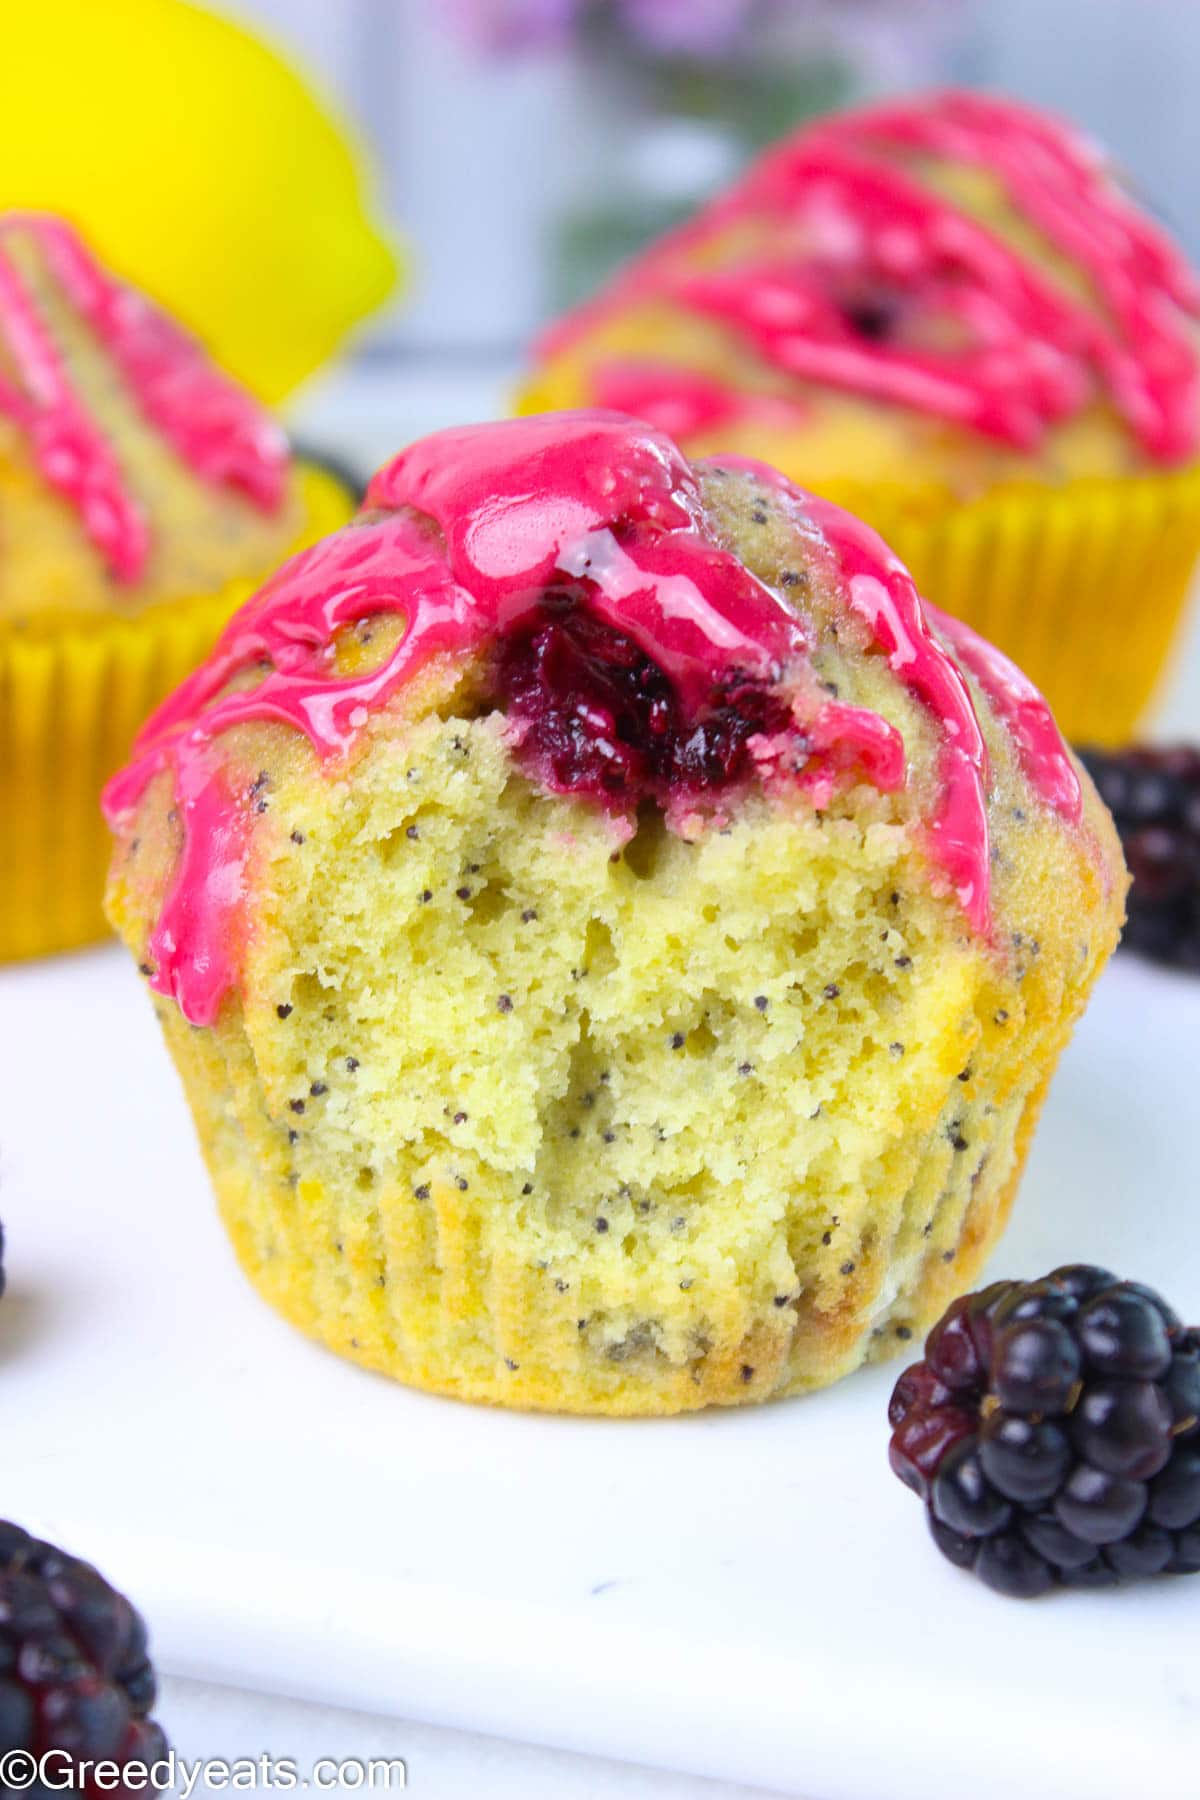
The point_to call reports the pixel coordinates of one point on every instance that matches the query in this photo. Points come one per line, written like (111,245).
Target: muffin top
(951,292)
(131,469)
(645,635)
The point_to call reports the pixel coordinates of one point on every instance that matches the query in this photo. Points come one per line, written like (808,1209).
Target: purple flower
(701,28)
(698,29)
(515,24)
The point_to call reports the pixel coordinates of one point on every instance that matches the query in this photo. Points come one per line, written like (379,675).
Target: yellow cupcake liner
(439,1291)
(72,696)
(1084,586)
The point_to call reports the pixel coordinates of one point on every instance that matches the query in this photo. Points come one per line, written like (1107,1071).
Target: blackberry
(74,1672)
(1154,796)
(600,717)
(1053,1432)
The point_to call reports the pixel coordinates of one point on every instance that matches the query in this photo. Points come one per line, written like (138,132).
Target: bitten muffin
(142,493)
(947,314)
(615,939)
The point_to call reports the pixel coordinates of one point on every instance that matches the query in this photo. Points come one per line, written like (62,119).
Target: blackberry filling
(873,313)
(600,717)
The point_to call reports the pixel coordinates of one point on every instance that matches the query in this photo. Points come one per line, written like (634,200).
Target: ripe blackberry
(1053,1432)
(74,1673)
(1154,796)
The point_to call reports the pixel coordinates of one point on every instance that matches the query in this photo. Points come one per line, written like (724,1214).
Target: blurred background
(524,146)
(519,149)
(392,195)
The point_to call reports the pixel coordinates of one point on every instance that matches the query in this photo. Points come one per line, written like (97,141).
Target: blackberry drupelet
(1053,1431)
(1154,797)
(74,1672)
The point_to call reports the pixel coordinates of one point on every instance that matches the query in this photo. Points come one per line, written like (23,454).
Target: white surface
(205,1721)
(747,1595)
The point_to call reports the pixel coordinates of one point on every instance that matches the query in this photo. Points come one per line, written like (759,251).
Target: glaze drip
(683,402)
(876,283)
(634,655)
(879,591)
(211,424)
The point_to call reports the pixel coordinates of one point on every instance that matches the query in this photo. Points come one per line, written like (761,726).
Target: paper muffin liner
(71,699)
(436,1289)
(1084,586)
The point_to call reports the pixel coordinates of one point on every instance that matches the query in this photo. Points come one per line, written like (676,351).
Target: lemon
(201,167)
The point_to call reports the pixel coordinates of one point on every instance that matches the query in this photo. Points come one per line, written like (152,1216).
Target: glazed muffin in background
(615,939)
(142,495)
(947,314)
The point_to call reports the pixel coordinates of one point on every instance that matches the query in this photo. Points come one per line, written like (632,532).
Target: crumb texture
(517,1112)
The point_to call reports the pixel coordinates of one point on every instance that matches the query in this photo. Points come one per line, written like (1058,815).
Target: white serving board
(747,1594)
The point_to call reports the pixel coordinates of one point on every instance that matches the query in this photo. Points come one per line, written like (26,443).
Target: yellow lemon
(201,167)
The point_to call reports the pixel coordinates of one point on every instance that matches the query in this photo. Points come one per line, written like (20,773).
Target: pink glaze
(879,591)
(1043,756)
(198,938)
(468,535)
(683,402)
(851,232)
(1145,350)
(71,453)
(591,496)
(214,426)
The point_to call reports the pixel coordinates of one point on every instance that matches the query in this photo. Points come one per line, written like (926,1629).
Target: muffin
(142,494)
(614,938)
(948,315)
